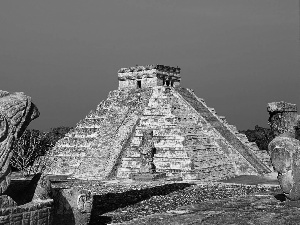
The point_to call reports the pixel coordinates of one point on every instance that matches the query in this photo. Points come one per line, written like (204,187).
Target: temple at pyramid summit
(190,139)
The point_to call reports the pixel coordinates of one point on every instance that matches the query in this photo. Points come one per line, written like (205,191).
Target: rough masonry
(16,112)
(190,139)
(285,147)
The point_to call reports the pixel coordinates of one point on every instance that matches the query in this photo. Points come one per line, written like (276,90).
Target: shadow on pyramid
(191,140)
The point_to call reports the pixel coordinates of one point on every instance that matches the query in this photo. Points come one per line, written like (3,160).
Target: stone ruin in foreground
(191,140)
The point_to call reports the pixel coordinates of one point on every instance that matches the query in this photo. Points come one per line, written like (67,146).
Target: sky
(237,55)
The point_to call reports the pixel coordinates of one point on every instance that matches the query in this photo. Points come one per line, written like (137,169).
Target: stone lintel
(281,107)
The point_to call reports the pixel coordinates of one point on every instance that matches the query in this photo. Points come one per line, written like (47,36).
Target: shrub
(31,146)
(27,149)
(55,134)
(261,136)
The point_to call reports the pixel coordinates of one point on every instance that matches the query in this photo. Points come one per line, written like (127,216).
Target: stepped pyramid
(191,140)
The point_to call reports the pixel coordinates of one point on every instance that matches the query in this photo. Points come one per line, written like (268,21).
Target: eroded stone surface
(147,151)
(72,206)
(254,209)
(148,76)
(16,112)
(94,147)
(30,213)
(6,201)
(285,148)
(191,140)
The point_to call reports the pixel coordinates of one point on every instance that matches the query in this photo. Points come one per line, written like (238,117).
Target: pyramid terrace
(191,140)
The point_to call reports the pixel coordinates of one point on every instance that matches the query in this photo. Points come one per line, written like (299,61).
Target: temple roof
(149,71)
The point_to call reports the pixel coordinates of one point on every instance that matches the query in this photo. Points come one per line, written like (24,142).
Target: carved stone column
(284,148)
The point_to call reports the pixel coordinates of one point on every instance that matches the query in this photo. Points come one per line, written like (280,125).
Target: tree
(33,144)
(261,136)
(27,149)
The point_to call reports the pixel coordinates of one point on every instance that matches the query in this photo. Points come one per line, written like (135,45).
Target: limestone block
(233,129)
(125,172)
(193,140)
(168,132)
(147,176)
(72,205)
(6,202)
(285,148)
(163,163)
(130,163)
(132,153)
(157,111)
(169,143)
(161,153)
(30,213)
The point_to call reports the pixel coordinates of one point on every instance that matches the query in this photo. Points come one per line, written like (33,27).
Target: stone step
(96,157)
(226,132)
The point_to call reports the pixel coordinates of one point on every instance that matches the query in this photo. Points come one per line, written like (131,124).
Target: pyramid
(191,140)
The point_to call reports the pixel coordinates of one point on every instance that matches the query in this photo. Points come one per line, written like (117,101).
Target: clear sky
(236,54)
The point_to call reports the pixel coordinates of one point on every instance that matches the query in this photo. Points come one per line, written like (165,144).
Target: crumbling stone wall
(285,148)
(31,213)
(148,76)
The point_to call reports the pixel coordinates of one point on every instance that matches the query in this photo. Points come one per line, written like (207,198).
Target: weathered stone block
(43,221)
(285,148)
(34,217)
(26,216)
(72,205)
(147,176)
(16,217)
(5,219)
(43,213)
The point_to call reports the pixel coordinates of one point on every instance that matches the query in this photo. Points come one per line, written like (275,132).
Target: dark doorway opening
(139,84)
(168,83)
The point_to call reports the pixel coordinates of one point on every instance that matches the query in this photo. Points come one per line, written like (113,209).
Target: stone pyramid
(191,140)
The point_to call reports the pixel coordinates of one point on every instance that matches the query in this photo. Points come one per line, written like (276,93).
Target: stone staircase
(227,132)
(184,142)
(191,141)
(91,150)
